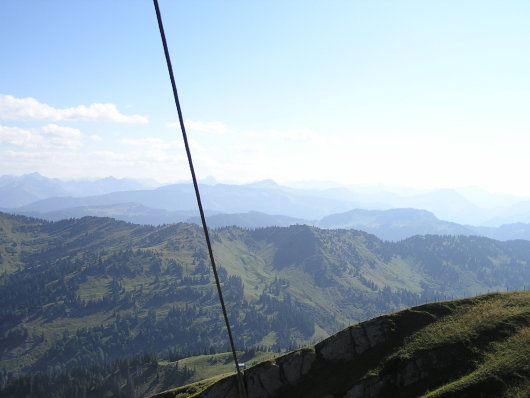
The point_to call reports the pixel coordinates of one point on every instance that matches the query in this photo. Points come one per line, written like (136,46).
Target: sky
(425,94)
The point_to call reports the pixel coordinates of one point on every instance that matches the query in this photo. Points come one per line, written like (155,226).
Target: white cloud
(27,109)
(61,131)
(300,135)
(150,144)
(15,136)
(150,153)
(165,167)
(96,138)
(214,127)
(251,148)
(49,136)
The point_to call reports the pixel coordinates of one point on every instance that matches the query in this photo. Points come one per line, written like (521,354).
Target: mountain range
(16,191)
(259,204)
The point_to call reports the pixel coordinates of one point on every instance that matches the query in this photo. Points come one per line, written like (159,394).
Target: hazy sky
(422,93)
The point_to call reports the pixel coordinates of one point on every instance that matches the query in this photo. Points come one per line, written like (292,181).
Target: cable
(242,392)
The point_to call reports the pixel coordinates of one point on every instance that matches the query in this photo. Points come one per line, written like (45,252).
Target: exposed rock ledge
(365,360)
(337,363)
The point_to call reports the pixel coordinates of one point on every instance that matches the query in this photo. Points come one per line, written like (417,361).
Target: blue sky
(427,94)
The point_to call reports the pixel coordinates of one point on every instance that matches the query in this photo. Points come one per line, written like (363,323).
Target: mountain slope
(16,191)
(129,212)
(216,198)
(394,224)
(251,219)
(466,206)
(471,347)
(76,292)
(505,231)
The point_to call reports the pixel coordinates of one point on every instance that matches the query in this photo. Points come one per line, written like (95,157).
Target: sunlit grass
(507,359)
(469,320)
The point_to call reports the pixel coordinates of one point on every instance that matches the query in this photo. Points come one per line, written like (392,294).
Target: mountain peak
(209,181)
(264,184)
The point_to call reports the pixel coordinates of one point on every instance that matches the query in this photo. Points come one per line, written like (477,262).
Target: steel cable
(241,388)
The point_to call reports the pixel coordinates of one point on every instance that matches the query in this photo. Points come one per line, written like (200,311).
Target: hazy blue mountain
(464,206)
(156,199)
(448,205)
(359,199)
(16,196)
(103,186)
(505,232)
(515,213)
(130,212)
(35,194)
(471,207)
(17,191)
(216,198)
(251,219)
(486,199)
(394,224)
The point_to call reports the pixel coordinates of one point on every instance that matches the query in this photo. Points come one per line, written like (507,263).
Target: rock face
(433,347)
(304,372)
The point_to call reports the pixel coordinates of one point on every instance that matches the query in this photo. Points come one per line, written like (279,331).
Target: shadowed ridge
(465,347)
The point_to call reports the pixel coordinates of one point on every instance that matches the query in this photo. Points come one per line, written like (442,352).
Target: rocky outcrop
(384,357)
(305,371)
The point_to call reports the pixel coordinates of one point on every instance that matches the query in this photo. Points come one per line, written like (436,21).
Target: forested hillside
(78,292)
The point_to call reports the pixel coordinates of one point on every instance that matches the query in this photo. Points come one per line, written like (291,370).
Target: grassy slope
(480,345)
(503,362)
(205,367)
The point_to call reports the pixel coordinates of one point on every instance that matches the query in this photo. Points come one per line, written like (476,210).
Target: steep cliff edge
(471,347)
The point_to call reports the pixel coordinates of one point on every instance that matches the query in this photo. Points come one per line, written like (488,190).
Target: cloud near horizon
(99,164)
(220,128)
(29,109)
(215,127)
(49,136)
(154,144)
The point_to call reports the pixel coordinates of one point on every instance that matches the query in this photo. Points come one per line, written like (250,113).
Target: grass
(190,390)
(491,332)
(470,320)
(93,288)
(504,361)
(207,366)
(210,369)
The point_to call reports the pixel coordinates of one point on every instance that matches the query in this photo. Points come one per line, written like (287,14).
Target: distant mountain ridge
(251,219)
(130,212)
(392,224)
(218,198)
(29,188)
(261,204)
